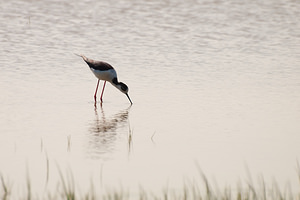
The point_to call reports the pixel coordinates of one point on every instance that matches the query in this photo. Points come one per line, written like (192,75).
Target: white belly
(105,75)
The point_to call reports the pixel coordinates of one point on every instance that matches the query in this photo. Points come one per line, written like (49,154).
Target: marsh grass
(199,188)
(130,139)
(28,184)
(69,143)
(5,188)
(68,184)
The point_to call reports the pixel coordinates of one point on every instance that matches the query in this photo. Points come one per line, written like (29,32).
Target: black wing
(97,65)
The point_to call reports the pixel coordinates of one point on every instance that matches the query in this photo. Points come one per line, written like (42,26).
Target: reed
(68,184)
(199,188)
(5,188)
(69,143)
(129,139)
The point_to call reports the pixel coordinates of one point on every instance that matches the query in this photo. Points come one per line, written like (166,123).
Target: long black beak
(129,98)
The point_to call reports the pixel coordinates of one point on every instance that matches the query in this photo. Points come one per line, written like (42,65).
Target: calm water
(212,82)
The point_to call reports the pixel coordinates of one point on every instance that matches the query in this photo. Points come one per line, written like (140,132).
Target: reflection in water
(103,132)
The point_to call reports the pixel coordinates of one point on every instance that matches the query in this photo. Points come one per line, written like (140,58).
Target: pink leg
(95,95)
(102,91)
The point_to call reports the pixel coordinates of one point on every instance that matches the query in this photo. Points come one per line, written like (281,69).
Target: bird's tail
(80,55)
(83,57)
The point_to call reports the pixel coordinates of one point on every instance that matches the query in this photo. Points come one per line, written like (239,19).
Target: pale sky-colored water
(212,82)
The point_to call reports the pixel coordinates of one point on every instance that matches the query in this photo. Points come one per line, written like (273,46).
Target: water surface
(212,82)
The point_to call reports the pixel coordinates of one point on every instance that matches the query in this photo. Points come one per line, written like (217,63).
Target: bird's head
(124,89)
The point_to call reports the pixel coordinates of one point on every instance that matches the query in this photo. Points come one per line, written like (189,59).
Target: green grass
(198,189)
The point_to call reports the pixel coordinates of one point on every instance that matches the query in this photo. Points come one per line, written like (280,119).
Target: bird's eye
(124,87)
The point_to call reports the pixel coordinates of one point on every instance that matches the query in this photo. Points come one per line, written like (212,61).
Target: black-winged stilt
(104,71)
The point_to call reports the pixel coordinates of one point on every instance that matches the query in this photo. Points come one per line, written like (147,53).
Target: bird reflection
(103,132)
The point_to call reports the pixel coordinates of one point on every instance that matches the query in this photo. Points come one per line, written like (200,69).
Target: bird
(104,71)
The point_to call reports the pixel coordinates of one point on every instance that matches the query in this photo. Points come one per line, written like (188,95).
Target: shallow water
(212,82)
